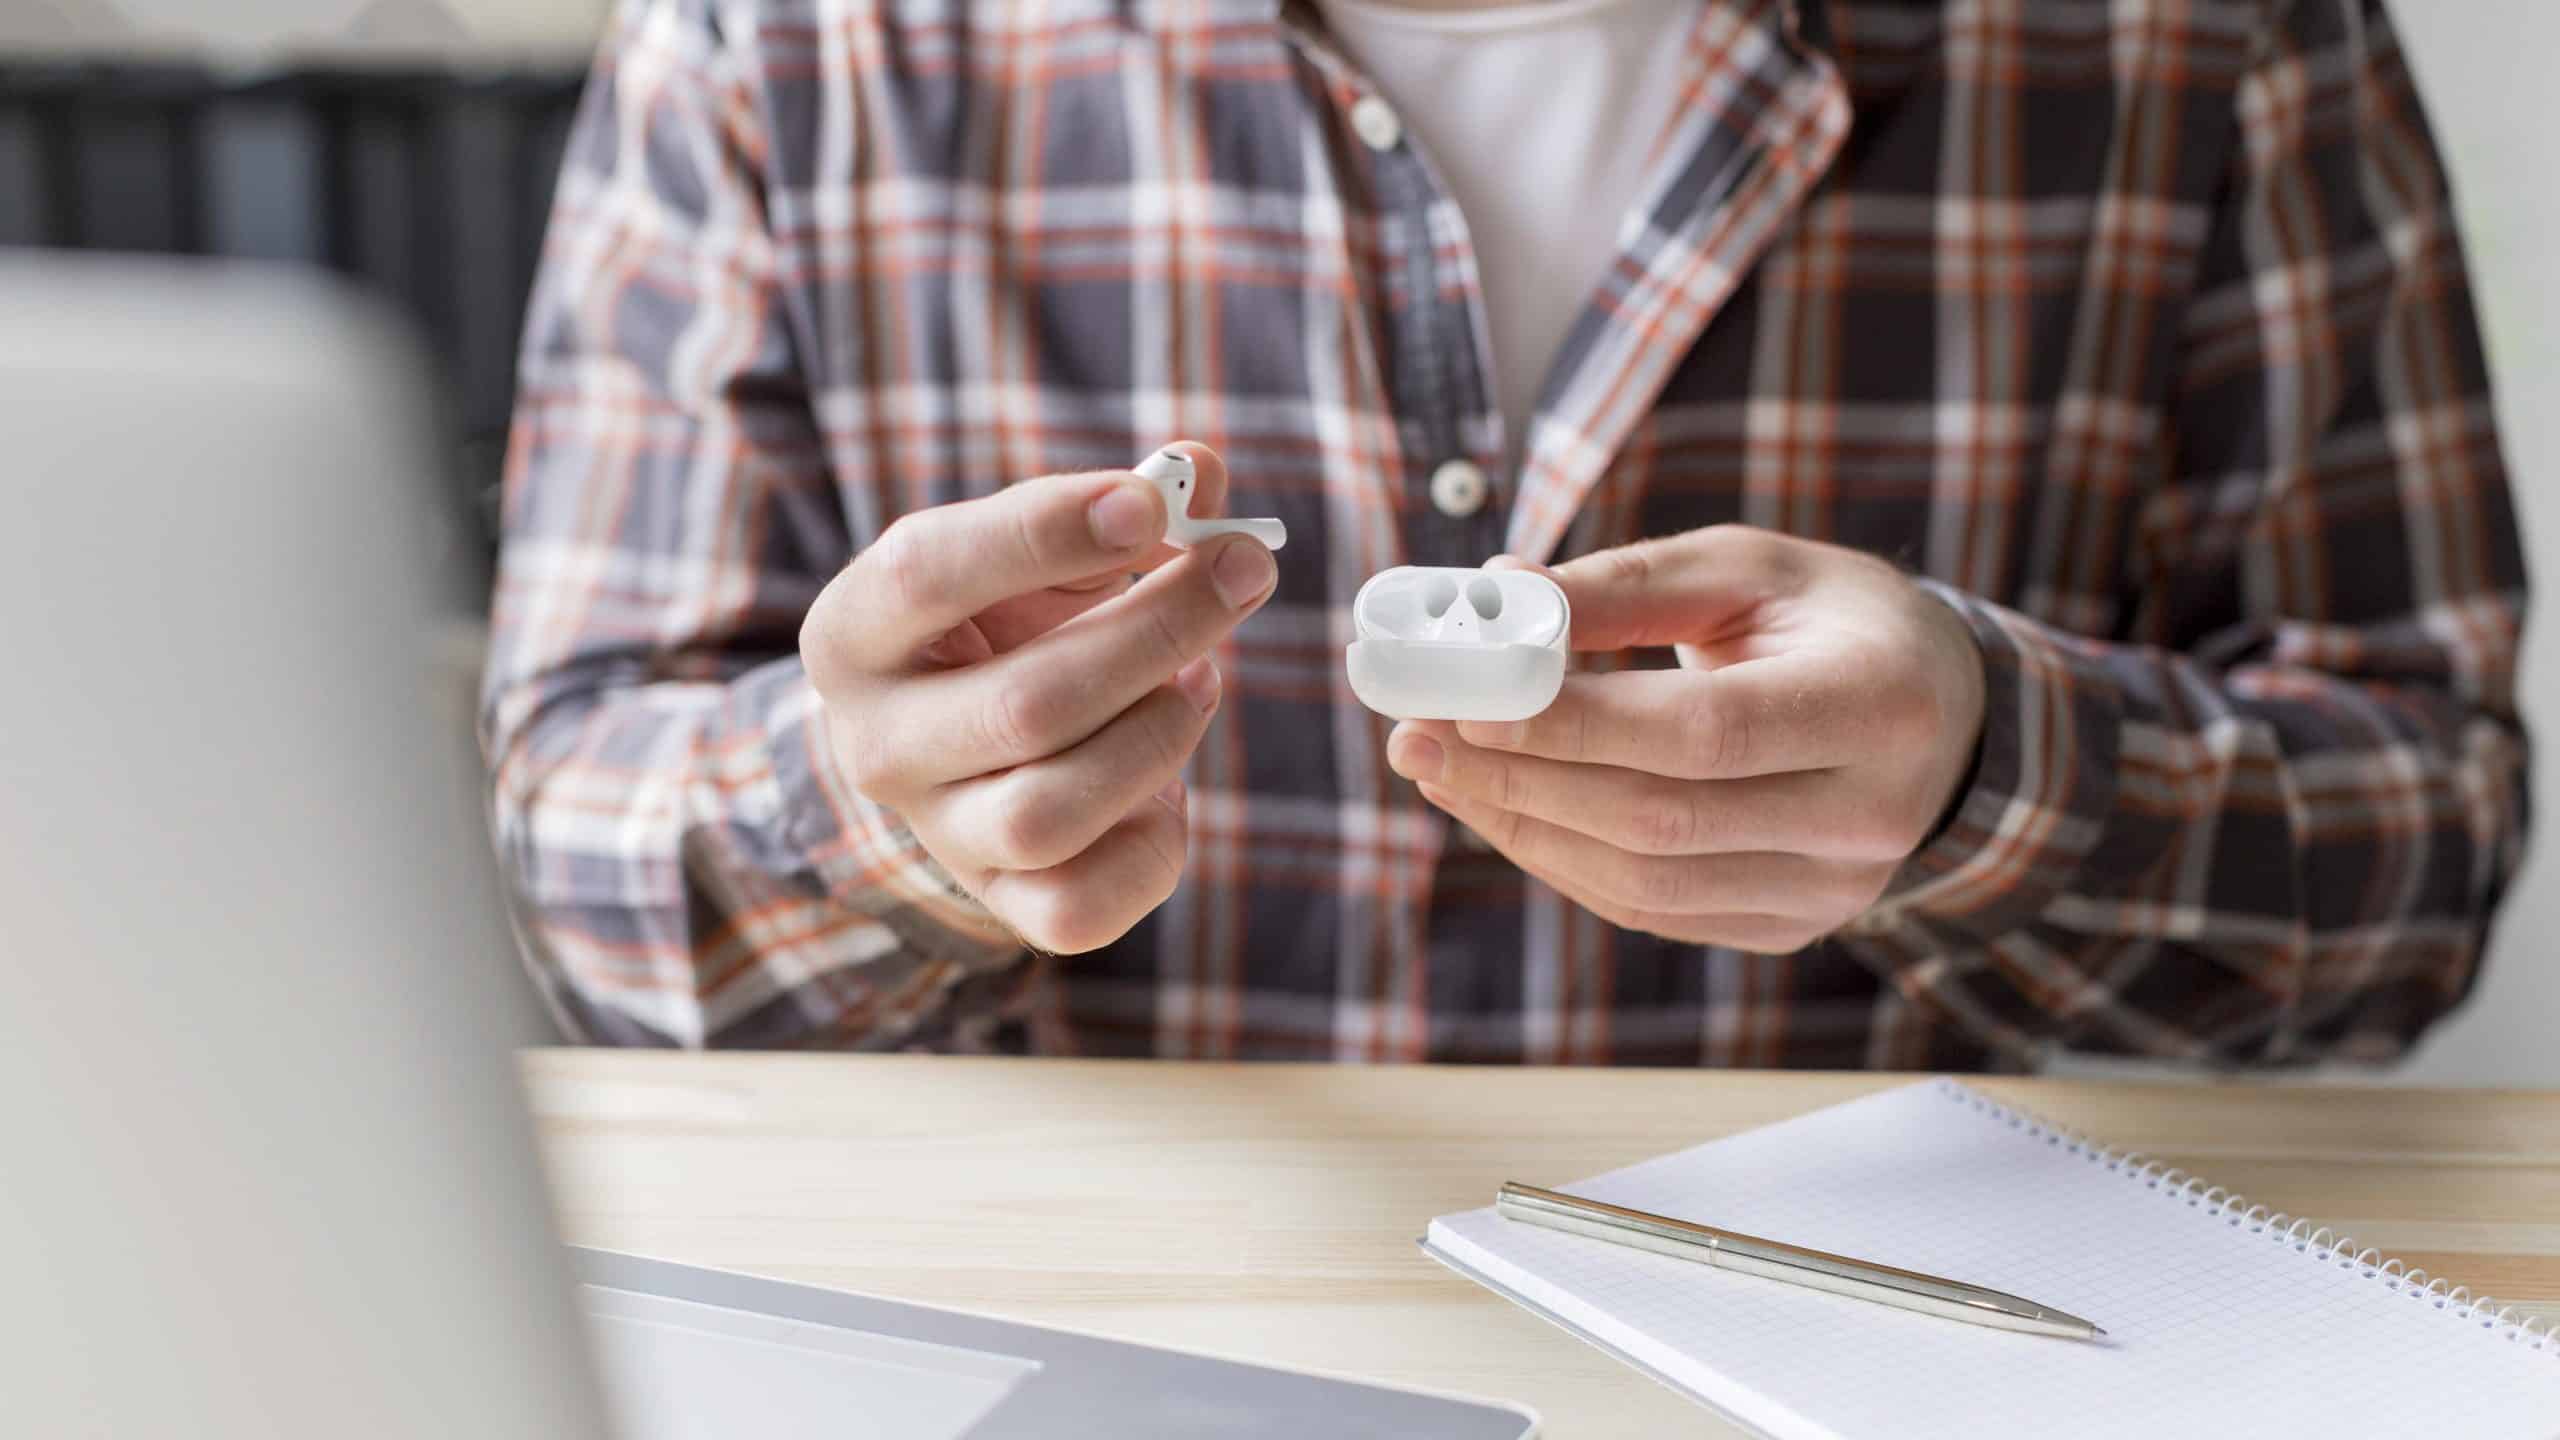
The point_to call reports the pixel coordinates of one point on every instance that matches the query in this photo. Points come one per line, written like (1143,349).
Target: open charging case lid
(1455,644)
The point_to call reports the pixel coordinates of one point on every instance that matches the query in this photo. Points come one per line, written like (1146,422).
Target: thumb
(1679,589)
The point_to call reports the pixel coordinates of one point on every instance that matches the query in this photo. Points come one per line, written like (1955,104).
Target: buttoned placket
(1452,511)
(1437,378)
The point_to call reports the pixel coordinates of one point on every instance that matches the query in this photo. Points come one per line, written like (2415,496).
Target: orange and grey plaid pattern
(2139,332)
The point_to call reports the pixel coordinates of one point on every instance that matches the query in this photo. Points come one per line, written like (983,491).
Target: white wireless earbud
(1171,473)
(1449,644)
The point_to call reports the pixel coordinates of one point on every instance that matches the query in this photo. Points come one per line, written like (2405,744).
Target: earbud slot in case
(1437,643)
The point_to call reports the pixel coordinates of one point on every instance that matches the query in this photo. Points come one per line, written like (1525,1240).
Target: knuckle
(1017,720)
(1664,823)
(903,560)
(1165,634)
(1632,567)
(1167,839)
(1028,540)
(1031,831)
(1056,914)
(1573,736)
(1173,726)
(1717,740)
(1782,559)
(1736,544)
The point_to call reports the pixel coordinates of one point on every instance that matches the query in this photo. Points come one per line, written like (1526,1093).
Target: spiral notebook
(2221,1318)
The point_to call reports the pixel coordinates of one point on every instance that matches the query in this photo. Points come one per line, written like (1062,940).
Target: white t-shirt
(1540,117)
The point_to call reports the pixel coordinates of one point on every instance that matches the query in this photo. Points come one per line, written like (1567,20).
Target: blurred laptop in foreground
(256,1101)
(264,1168)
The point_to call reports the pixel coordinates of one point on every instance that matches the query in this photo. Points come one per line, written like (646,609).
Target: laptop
(264,1166)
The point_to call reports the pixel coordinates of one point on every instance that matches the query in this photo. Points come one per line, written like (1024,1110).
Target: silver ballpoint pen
(1776,1260)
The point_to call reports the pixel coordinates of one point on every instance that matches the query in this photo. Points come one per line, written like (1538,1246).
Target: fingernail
(1122,517)
(1503,733)
(1242,572)
(1173,795)
(1417,756)
(1198,682)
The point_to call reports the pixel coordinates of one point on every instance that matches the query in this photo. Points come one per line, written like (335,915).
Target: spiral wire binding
(2318,1243)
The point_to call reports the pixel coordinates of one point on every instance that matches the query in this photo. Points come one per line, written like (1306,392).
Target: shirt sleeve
(2272,826)
(688,867)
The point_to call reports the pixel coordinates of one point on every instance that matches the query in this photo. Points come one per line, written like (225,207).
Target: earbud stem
(1187,532)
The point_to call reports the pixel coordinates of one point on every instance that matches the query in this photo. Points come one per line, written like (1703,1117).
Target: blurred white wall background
(2485,68)
(255,30)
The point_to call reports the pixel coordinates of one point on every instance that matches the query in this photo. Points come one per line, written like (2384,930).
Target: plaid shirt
(2141,332)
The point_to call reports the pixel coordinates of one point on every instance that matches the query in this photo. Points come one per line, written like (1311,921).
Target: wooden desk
(1270,1212)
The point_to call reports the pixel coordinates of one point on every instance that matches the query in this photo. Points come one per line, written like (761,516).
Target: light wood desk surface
(1270,1212)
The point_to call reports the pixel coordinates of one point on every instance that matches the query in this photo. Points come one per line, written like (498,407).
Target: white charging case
(1440,643)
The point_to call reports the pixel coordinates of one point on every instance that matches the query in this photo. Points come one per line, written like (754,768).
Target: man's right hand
(989,673)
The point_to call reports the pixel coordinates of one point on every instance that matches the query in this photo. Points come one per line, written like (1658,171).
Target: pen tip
(2097,1329)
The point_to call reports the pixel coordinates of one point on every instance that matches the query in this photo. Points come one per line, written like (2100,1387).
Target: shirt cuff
(2042,786)
(867,857)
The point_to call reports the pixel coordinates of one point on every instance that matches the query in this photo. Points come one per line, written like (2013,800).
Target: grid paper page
(2214,1327)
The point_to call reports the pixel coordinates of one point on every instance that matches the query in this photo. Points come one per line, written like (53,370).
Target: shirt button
(1374,120)
(1458,489)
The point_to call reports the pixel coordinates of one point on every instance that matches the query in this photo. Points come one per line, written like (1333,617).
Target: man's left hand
(1761,794)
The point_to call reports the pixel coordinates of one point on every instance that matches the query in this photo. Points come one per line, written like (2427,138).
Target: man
(2023,475)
